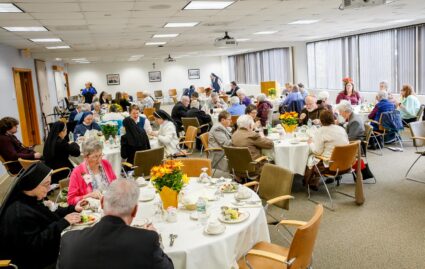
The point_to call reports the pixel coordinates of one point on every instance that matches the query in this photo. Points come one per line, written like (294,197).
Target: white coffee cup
(214,226)
(141,181)
(243,193)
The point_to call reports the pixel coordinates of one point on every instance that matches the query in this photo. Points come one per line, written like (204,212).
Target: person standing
(215,83)
(233,89)
(88,92)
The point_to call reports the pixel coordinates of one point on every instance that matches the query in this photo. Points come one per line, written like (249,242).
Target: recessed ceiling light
(198,5)
(58,47)
(58,59)
(26,29)
(79,59)
(265,33)
(9,7)
(46,40)
(304,22)
(165,35)
(155,43)
(181,24)
(402,21)
(242,39)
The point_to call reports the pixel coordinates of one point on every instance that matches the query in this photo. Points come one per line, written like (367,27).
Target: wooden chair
(201,89)
(418,115)
(26,163)
(241,163)
(382,132)
(340,162)
(140,96)
(193,122)
(144,160)
(297,256)
(368,134)
(417,129)
(6,166)
(188,141)
(7,263)
(225,98)
(192,166)
(148,111)
(158,95)
(157,105)
(172,93)
(274,186)
(205,148)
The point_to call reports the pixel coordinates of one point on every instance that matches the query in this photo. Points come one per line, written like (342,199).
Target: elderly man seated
(244,136)
(355,126)
(203,118)
(113,243)
(383,105)
(323,100)
(179,110)
(310,112)
(215,102)
(220,135)
(236,108)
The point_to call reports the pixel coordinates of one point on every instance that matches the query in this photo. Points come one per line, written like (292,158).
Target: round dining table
(194,248)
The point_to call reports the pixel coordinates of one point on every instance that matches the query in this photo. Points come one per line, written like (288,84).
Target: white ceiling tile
(58,15)
(49,7)
(107,6)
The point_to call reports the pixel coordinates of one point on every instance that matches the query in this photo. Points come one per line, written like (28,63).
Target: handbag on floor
(366,173)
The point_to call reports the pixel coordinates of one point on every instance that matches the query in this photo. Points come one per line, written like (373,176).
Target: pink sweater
(77,185)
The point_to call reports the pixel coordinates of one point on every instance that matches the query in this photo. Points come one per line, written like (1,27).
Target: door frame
(25,129)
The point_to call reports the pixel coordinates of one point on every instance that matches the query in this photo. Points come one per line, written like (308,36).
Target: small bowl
(190,206)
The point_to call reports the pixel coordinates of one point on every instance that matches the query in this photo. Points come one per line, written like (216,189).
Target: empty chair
(144,160)
(188,141)
(158,95)
(172,93)
(368,134)
(193,166)
(241,163)
(216,153)
(297,256)
(148,112)
(417,129)
(193,122)
(139,96)
(157,105)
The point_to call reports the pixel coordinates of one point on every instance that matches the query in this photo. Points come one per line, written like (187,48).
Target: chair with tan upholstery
(144,160)
(275,187)
(158,95)
(26,163)
(368,134)
(205,148)
(188,140)
(139,96)
(6,165)
(148,112)
(417,129)
(172,93)
(297,256)
(193,122)
(340,163)
(241,163)
(192,166)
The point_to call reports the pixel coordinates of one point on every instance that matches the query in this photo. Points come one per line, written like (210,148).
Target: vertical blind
(254,67)
(396,56)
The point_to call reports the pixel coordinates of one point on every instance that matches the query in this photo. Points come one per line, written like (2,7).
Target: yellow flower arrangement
(289,118)
(169,174)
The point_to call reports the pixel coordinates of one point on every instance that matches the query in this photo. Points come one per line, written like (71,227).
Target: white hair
(91,145)
(384,83)
(86,108)
(323,95)
(382,95)
(344,106)
(240,92)
(185,97)
(121,197)
(194,103)
(234,100)
(245,121)
(261,97)
(214,94)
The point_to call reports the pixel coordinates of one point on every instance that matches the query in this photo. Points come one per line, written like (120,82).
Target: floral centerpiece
(271,92)
(115,108)
(168,179)
(289,121)
(109,129)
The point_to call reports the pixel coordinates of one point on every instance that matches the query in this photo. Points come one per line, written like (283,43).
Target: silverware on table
(172,237)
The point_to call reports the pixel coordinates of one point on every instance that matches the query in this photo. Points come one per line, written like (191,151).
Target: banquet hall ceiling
(109,31)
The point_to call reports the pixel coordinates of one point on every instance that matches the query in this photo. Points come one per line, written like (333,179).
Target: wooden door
(28,118)
(68,92)
(43,88)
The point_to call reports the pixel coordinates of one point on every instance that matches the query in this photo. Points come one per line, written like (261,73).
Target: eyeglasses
(96,156)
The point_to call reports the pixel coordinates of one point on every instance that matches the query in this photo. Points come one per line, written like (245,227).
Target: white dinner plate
(140,223)
(222,229)
(242,217)
(96,219)
(146,198)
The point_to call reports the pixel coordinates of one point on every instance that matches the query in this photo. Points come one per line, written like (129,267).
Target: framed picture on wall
(194,73)
(113,79)
(155,76)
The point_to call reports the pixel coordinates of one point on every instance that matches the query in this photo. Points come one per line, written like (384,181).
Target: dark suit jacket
(60,158)
(112,244)
(202,117)
(179,111)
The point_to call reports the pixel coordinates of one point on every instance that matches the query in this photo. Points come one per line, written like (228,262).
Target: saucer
(194,215)
(239,197)
(146,198)
(220,231)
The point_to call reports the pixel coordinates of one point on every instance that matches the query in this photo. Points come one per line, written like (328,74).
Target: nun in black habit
(135,139)
(30,232)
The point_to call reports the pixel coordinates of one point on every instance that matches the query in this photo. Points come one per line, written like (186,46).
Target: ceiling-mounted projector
(225,42)
(169,59)
(362,3)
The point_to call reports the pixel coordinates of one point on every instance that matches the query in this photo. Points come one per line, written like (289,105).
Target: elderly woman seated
(92,176)
(86,123)
(236,109)
(244,136)
(263,109)
(323,143)
(354,124)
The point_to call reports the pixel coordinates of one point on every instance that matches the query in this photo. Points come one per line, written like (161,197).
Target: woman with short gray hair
(92,176)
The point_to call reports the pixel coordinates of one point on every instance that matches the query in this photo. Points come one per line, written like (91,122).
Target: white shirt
(326,138)
(147,126)
(167,137)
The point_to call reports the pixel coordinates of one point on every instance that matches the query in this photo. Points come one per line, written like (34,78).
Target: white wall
(134,75)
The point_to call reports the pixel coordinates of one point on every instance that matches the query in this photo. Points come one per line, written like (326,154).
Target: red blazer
(77,185)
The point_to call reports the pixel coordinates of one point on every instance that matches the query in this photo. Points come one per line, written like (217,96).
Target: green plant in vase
(109,129)
(271,92)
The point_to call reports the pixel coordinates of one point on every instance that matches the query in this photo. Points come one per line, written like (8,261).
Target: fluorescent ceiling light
(155,43)
(265,33)
(198,5)
(26,29)
(242,39)
(402,21)
(46,40)
(58,59)
(9,7)
(79,59)
(304,22)
(165,35)
(134,58)
(181,24)
(58,47)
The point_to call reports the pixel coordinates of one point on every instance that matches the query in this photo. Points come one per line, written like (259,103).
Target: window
(266,65)
(396,56)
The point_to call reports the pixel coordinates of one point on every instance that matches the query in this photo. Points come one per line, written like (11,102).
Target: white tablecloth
(195,250)
(287,155)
